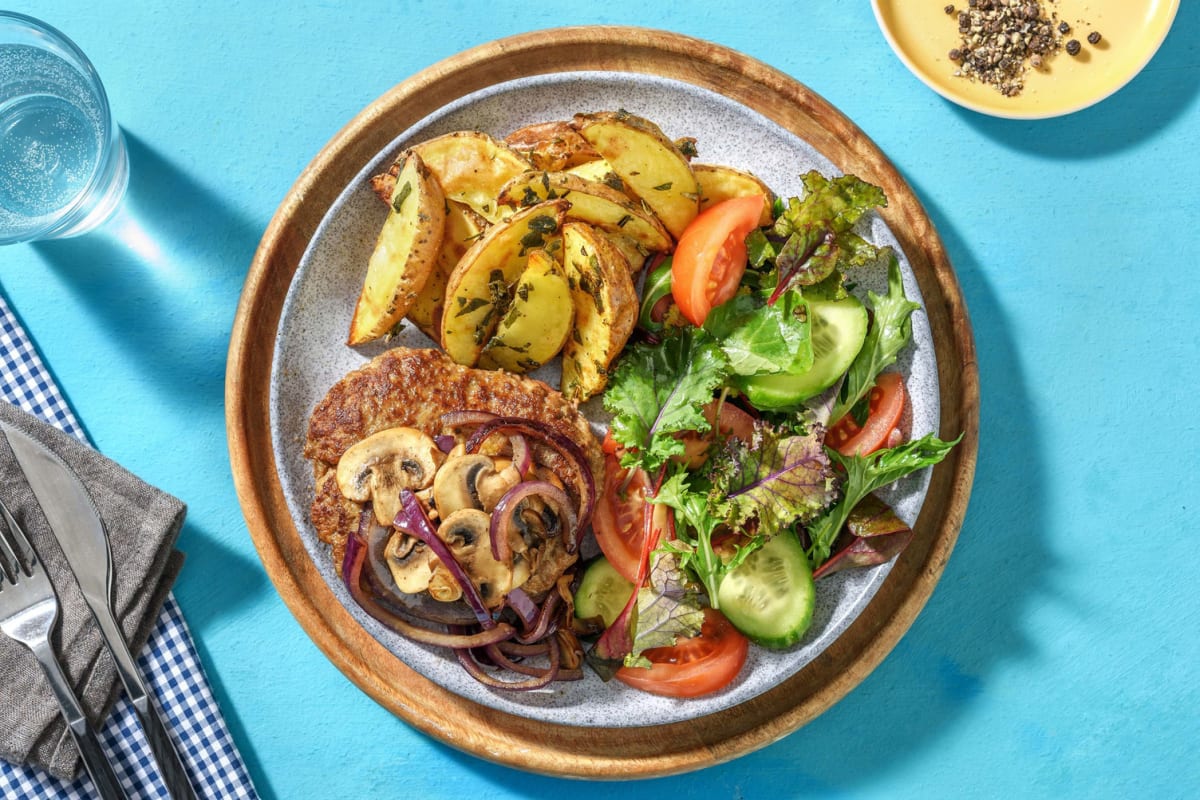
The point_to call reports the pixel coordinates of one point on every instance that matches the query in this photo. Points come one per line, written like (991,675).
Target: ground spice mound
(1000,39)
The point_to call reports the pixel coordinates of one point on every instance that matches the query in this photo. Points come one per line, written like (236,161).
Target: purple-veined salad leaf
(812,237)
(890,332)
(777,479)
(865,474)
(660,390)
(874,535)
(667,607)
(761,339)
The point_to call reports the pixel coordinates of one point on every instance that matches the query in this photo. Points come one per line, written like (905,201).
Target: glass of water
(63,167)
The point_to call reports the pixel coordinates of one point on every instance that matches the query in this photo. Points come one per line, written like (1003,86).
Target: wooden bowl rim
(515,741)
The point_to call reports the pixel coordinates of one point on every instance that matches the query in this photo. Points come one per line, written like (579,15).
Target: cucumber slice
(839,328)
(769,596)
(602,592)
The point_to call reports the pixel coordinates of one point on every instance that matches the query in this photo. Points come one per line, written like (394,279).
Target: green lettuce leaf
(660,390)
(865,474)
(761,339)
(695,524)
(891,330)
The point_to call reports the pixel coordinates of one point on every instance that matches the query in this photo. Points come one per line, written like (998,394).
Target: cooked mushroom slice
(472,481)
(382,464)
(467,534)
(410,562)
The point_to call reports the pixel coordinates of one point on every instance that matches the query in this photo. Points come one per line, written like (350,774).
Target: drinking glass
(63,167)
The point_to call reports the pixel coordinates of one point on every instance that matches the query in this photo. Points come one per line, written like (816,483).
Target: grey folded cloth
(143,524)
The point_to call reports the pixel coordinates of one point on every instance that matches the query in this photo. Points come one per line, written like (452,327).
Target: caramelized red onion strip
(521,456)
(352,565)
(539,680)
(411,519)
(584,482)
(545,624)
(506,510)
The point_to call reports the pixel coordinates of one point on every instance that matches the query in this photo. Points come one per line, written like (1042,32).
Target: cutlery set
(29,609)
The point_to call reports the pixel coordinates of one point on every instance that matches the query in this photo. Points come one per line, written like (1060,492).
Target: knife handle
(94,760)
(170,765)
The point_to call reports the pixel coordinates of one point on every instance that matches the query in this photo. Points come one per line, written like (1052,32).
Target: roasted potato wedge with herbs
(606,308)
(538,320)
(594,203)
(463,228)
(552,146)
(649,163)
(471,167)
(599,171)
(405,252)
(479,289)
(719,183)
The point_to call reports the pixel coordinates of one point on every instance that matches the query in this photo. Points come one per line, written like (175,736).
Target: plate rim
(902,54)
(498,736)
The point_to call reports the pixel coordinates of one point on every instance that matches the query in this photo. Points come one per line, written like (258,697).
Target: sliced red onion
(352,565)
(545,624)
(584,482)
(521,456)
(538,681)
(445,442)
(520,602)
(457,419)
(411,519)
(508,506)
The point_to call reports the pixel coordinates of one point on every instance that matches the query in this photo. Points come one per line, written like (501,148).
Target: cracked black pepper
(1000,39)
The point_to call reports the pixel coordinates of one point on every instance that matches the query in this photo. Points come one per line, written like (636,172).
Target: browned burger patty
(414,388)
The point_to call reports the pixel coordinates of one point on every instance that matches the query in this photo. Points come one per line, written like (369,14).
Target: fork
(28,613)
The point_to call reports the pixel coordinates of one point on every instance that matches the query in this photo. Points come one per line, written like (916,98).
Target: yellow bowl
(922,34)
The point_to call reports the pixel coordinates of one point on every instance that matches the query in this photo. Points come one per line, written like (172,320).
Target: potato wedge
(606,308)
(635,255)
(478,291)
(538,320)
(599,171)
(405,252)
(648,162)
(719,183)
(471,167)
(552,146)
(463,228)
(591,202)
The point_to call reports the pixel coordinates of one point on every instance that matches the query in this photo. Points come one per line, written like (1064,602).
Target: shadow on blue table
(971,628)
(1159,96)
(164,276)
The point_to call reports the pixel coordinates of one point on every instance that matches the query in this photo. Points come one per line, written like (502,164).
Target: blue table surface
(1059,654)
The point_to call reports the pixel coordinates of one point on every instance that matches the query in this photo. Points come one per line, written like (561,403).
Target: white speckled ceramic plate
(302,290)
(310,357)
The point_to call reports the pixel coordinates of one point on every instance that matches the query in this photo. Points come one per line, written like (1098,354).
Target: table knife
(77,525)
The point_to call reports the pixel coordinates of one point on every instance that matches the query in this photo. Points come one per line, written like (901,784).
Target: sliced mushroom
(382,464)
(467,533)
(410,562)
(472,481)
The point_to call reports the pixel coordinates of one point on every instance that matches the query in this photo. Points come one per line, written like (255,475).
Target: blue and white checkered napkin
(169,661)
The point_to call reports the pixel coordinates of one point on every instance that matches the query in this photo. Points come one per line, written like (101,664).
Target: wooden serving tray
(513,740)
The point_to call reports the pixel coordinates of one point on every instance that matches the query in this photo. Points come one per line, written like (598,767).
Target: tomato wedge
(885,404)
(710,257)
(618,521)
(692,666)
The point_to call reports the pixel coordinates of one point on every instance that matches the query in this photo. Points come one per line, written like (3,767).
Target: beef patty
(414,388)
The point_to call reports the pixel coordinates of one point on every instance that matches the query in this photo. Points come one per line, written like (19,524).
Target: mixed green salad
(752,421)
